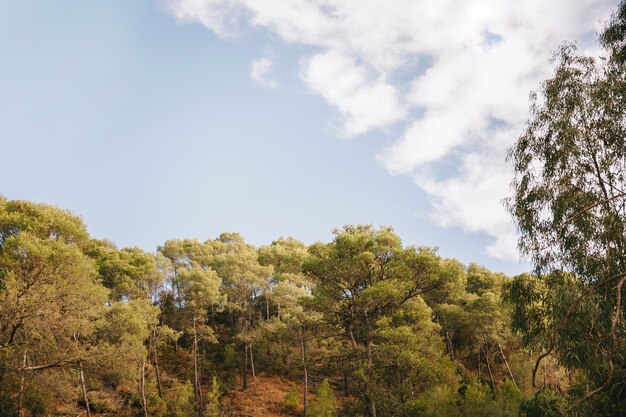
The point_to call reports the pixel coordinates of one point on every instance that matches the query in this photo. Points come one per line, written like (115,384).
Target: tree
(369,286)
(325,404)
(197,291)
(128,273)
(243,282)
(51,302)
(289,290)
(569,203)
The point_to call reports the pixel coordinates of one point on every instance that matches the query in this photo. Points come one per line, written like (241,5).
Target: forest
(362,325)
(359,326)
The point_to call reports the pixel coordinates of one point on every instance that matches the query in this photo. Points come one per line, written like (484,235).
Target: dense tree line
(393,330)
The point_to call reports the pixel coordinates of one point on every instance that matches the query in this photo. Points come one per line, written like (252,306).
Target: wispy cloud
(261,72)
(470,63)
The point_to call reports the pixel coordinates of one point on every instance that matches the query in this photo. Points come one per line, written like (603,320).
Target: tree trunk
(507,365)
(346,390)
(196,374)
(450,348)
(372,407)
(479,350)
(142,387)
(245,367)
(21,396)
(306,374)
(371,402)
(156,363)
(536,367)
(493,385)
(82,383)
(252,367)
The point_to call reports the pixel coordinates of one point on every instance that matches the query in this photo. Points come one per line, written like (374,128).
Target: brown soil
(267,402)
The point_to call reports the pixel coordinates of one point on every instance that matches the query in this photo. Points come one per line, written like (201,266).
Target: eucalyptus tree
(569,203)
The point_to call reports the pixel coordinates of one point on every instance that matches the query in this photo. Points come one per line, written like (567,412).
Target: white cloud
(261,71)
(364,102)
(472,65)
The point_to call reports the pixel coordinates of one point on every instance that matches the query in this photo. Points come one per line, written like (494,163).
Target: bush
(183,403)
(440,401)
(509,399)
(292,399)
(545,403)
(479,402)
(213,400)
(35,403)
(325,405)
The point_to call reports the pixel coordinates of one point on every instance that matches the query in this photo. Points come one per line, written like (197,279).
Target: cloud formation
(455,74)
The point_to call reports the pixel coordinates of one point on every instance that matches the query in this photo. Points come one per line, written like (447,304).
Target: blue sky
(147,119)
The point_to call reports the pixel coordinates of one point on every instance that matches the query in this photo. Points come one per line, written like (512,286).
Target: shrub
(325,405)
(213,400)
(292,399)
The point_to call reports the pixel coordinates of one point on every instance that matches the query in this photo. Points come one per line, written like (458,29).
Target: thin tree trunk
(142,386)
(196,374)
(21,396)
(156,363)
(82,383)
(450,348)
(507,365)
(372,403)
(267,308)
(479,350)
(493,385)
(252,367)
(346,390)
(245,367)
(306,373)
(536,367)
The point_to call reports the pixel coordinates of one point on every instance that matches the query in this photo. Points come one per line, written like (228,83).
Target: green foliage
(481,280)
(325,403)
(370,286)
(478,401)
(128,273)
(293,400)
(381,312)
(182,402)
(212,406)
(544,403)
(157,407)
(509,399)
(568,203)
(230,356)
(35,402)
(439,401)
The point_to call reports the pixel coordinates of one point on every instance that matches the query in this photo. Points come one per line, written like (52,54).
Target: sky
(160,119)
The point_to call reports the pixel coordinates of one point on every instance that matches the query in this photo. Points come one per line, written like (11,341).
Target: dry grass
(268,400)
